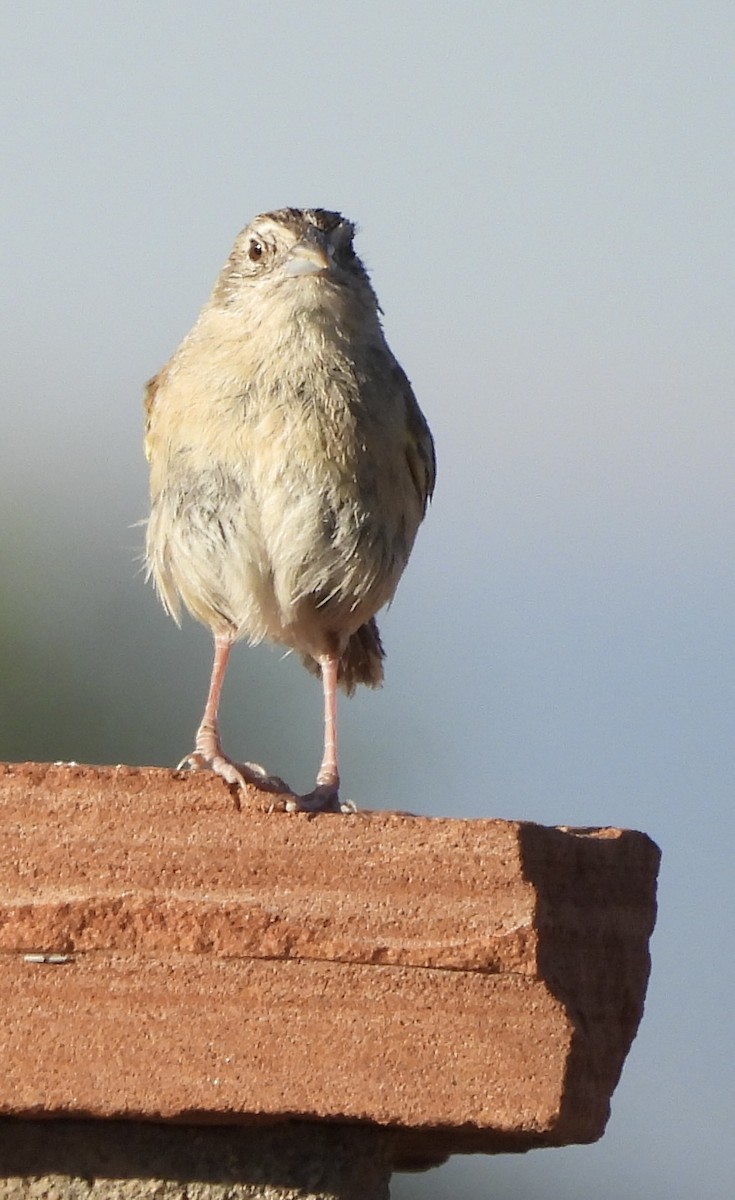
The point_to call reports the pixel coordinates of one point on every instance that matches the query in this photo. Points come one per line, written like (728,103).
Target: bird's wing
(420,454)
(149,400)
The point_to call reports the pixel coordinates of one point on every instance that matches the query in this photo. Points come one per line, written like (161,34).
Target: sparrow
(290,469)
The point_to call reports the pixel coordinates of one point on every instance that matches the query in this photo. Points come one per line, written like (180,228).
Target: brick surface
(168,956)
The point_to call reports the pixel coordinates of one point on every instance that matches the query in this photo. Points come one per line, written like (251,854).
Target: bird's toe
(240,775)
(320,800)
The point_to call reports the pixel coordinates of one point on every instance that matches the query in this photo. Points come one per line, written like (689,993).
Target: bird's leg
(327,780)
(207,747)
(208,751)
(325,796)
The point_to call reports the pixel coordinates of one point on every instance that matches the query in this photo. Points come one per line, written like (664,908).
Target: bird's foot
(322,799)
(239,774)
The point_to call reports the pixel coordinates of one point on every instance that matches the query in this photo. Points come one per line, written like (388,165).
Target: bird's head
(302,256)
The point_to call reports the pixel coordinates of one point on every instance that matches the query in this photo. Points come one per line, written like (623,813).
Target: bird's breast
(296,461)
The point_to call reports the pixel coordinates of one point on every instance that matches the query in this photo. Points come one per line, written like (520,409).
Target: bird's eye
(255,250)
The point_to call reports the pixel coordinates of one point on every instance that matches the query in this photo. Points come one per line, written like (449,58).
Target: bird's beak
(310,256)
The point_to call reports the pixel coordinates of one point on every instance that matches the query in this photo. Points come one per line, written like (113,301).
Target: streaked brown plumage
(290,466)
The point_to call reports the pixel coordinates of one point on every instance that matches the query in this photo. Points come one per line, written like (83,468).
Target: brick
(168,956)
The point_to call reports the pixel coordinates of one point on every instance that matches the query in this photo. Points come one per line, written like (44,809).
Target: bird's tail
(361,662)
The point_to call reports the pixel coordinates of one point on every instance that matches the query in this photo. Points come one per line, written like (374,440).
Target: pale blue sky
(545,197)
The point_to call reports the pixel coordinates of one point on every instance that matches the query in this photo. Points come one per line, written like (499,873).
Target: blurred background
(545,196)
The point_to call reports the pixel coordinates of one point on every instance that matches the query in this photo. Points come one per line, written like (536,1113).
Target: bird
(290,469)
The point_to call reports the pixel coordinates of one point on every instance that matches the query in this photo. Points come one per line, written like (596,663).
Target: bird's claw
(324,797)
(320,800)
(239,774)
